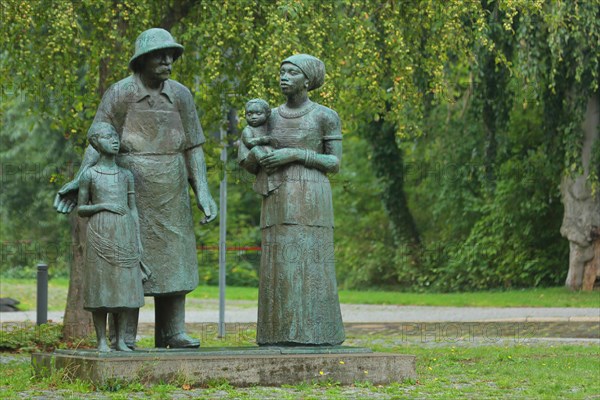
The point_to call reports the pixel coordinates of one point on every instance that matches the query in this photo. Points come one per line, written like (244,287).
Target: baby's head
(103,138)
(257,112)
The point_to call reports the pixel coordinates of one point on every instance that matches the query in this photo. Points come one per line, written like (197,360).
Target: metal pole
(42,294)
(222,236)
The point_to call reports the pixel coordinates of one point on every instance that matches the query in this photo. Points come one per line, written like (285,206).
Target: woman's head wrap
(312,67)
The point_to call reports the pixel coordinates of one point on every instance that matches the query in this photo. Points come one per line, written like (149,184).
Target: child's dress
(112,277)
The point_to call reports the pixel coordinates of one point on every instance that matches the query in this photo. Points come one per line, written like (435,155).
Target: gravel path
(246,312)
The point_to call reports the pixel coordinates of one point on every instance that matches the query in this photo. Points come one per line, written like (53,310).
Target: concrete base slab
(241,366)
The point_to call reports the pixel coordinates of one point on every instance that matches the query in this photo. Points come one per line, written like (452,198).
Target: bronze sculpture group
(146,150)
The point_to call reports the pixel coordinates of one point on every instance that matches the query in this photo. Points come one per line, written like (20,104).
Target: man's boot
(170,323)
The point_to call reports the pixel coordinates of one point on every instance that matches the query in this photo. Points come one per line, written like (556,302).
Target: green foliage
(560,51)
(27,337)
(364,248)
(499,233)
(492,176)
(32,156)
(484,98)
(56,53)
(516,242)
(243,215)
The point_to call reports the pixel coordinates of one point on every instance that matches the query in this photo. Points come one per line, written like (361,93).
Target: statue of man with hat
(161,144)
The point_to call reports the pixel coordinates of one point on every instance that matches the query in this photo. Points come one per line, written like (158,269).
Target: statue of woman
(298,300)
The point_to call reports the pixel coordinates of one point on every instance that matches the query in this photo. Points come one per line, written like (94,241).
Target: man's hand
(66,198)
(208,207)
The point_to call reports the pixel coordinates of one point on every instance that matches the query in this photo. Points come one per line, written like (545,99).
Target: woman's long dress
(298,300)
(112,277)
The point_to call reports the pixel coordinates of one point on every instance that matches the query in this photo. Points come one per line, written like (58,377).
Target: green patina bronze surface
(298,299)
(161,144)
(113,269)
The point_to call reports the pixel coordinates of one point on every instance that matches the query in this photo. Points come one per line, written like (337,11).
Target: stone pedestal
(239,366)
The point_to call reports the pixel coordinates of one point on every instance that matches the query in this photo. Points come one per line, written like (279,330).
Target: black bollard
(42,294)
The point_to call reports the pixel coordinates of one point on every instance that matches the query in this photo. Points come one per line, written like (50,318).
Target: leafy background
(459,121)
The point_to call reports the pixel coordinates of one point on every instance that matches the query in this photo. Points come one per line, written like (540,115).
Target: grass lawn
(25,292)
(517,370)
(545,297)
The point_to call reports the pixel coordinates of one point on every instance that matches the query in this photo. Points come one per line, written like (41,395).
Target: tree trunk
(176,12)
(494,93)
(388,165)
(77,321)
(581,221)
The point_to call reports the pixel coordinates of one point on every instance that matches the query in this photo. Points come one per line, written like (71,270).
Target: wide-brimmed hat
(155,39)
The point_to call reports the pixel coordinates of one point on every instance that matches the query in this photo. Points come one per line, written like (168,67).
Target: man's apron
(153,144)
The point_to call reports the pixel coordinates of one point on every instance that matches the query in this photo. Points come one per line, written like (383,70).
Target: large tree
(391,68)
(561,50)
(388,65)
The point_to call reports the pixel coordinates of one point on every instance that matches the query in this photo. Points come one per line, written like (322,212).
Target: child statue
(113,271)
(257,140)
